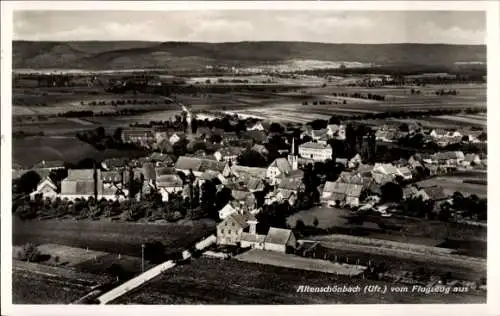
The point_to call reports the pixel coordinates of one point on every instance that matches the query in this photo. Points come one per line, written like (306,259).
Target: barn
(280,240)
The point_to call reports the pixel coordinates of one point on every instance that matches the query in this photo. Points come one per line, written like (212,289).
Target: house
(256,127)
(342,161)
(433,193)
(114,163)
(138,135)
(383,173)
(251,239)
(409,192)
(168,184)
(112,176)
(385,135)
(355,161)
(198,165)
(353,194)
(336,131)
(414,162)
(288,189)
(448,158)
(279,168)
(229,154)
(471,160)
(364,170)
(405,173)
(46,188)
(243,173)
(49,165)
(176,137)
(227,210)
(316,151)
(261,149)
(82,183)
(280,240)
(333,193)
(161,160)
(229,137)
(229,231)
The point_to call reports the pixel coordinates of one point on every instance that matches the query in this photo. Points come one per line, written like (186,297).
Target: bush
(29,253)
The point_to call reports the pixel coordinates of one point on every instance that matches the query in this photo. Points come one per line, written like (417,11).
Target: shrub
(29,253)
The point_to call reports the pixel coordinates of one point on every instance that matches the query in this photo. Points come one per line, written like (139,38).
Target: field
(327,217)
(296,262)
(214,281)
(114,237)
(451,184)
(39,284)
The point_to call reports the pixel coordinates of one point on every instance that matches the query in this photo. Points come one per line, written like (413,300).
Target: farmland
(451,184)
(39,284)
(114,237)
(214,281)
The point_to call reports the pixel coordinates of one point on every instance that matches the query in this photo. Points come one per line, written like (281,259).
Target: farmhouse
(336,131)
(405,173)
(227,210)
(280,240)
(198,165)
(449,158)
(279,168)
(138,135)
(256,127)
(335,193)
(433,193)
(161,160)
(82,184)
(243,173)
(315,151)
(46,188)
(229,154)
(229,231)
(168,184)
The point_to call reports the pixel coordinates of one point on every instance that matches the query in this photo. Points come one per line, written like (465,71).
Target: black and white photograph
(228,156)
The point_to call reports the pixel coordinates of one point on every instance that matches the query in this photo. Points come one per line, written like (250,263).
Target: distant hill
(191,55)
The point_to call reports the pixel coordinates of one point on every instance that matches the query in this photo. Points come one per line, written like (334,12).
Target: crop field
(215,281)
(51,126)
(30,150)
(114,237)
(451,184)
(296,262)
(39,284)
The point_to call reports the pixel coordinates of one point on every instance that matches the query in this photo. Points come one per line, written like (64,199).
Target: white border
(492,7)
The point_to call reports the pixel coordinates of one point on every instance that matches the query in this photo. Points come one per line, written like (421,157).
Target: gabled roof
(46,182)
(80,174)
(435,193)
(231,151)
(354,190)
(261,149)
(255,184)
(292,184)
(238,219)
(249,171)
(471,157)
(282,164)
(209,175)
(199,164)
(161,157)
(312,145)
(405,171)
(335,187)
(448,155)
(387,167)
(278,236)
(252,237)
(169,180)
(149,171)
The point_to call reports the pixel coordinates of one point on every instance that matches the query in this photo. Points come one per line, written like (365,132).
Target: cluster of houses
(442,137)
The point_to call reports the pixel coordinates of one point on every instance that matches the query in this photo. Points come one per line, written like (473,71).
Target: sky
(450,27)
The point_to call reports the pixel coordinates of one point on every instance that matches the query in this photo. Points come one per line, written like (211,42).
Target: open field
(296,262)
(52,126)
(215,281)
(327,217)
(30,150)
(40,284)
(114,237)
(451,184)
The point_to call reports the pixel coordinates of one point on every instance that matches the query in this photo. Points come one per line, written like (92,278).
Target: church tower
(292,157)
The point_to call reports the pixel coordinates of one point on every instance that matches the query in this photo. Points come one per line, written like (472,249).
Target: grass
(296,262)
(327,217)
(114,237)
(39,284)
(214,281)
(451,184)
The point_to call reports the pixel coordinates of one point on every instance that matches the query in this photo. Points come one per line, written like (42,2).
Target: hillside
(176,55)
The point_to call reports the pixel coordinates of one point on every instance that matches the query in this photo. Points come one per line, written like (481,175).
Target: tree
(315,222)
(28,182)
(391,192)
(29,253)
